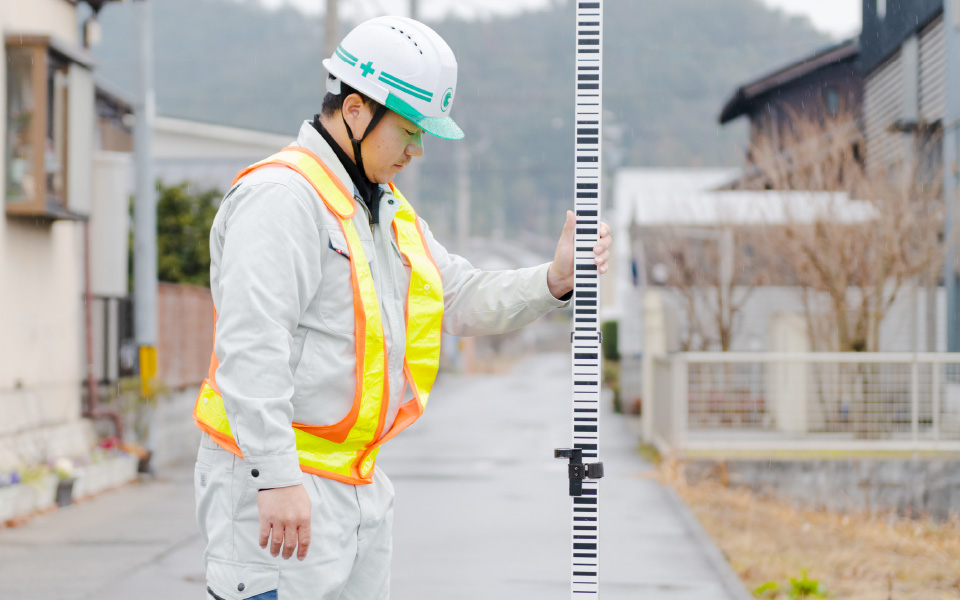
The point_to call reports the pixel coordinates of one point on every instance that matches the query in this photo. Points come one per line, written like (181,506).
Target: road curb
(730,581)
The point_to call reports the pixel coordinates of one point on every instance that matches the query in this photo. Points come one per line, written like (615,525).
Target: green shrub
(609,344)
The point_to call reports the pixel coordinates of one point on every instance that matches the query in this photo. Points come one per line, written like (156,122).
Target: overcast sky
(839,18)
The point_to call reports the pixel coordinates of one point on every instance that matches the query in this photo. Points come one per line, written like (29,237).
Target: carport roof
(689,197)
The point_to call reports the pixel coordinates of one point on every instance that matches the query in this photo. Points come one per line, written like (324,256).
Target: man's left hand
(560,273)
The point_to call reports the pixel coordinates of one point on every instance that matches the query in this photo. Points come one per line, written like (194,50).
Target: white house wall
(56,18)
(42,324)
(41,319)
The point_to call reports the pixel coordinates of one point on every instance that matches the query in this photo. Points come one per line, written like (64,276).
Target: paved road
(481,512)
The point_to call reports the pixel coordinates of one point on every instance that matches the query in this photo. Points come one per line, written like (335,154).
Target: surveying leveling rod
(586,336)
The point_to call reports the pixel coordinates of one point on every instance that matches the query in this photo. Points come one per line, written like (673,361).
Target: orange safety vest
(347,451)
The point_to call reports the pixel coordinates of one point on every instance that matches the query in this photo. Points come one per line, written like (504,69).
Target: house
(208,155)
(64,234)
(826,84)
(63,183)
(903,61)
(656,317)
(903,121)
(692,205)
(910,60)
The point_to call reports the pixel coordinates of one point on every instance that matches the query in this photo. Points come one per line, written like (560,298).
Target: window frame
(46,55)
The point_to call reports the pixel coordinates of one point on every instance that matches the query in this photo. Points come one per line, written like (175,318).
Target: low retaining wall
(165,427)
(912,487)
(173,435)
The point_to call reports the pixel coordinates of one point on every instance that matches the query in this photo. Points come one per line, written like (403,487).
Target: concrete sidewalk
(482,511)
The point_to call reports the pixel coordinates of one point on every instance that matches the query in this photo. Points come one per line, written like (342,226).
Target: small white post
(915,401)
(681,416)
(935,398)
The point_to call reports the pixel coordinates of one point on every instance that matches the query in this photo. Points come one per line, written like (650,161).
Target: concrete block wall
(173,436)
(913,487)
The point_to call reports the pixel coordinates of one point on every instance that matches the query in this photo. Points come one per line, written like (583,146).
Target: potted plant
(65,472)
(41,486)
(10,491)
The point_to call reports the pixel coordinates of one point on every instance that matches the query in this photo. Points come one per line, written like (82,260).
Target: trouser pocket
(212,486)
(229,580)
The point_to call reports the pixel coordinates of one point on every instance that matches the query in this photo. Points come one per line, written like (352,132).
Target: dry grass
(855,557)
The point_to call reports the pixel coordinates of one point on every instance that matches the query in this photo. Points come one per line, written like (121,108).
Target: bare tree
(713,271)
(851,265)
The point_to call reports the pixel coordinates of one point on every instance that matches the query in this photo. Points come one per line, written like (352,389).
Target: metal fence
(787,401)
(185,336)
(114,348)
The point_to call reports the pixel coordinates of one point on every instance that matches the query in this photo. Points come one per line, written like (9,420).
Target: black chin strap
(357,155)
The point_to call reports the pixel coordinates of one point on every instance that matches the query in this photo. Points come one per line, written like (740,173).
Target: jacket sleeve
(268,272)
(480,302)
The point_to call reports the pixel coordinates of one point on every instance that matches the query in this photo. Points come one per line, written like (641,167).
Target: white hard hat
(405,66)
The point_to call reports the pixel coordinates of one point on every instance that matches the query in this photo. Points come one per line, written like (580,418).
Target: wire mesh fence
(816,399)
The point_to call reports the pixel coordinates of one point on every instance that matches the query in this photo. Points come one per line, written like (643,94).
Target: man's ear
(351,104)
(353,109)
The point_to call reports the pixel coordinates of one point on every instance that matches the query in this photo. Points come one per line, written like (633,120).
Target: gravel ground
(854,557)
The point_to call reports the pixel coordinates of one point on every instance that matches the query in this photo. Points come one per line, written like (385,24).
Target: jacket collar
(314,142)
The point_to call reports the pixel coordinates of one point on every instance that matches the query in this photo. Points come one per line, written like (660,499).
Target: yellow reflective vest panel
(347,451)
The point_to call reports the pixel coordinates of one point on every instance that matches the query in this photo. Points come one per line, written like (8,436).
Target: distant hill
(668,68)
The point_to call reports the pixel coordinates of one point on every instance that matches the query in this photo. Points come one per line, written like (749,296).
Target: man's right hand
(286,513)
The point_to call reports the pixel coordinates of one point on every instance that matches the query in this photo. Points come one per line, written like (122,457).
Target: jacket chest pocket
(337,311)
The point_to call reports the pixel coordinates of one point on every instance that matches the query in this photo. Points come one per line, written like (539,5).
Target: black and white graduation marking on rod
(586,336)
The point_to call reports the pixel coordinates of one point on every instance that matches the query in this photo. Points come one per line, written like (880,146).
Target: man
(330,298)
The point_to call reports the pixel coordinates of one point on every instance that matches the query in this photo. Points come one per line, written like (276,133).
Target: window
(36,142)
(833,101)
(881,8)
(20,107)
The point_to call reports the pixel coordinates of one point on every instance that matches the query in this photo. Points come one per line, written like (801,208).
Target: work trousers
(349,555)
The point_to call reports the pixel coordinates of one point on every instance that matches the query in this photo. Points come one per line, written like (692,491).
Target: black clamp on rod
(578,471)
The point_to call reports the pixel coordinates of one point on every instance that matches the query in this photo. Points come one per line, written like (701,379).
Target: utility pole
(951,169)
(145,206)
(332,28)
(413,174)
(463,195)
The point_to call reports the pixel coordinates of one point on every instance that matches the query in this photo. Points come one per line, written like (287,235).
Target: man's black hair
(332,103)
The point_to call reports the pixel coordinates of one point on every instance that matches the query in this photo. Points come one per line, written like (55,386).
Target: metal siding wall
(882,105)
(881,38)
(933,54)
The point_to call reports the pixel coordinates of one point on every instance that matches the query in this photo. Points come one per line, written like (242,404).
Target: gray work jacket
(280,277)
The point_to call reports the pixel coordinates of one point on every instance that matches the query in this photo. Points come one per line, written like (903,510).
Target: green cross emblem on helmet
(367,68)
